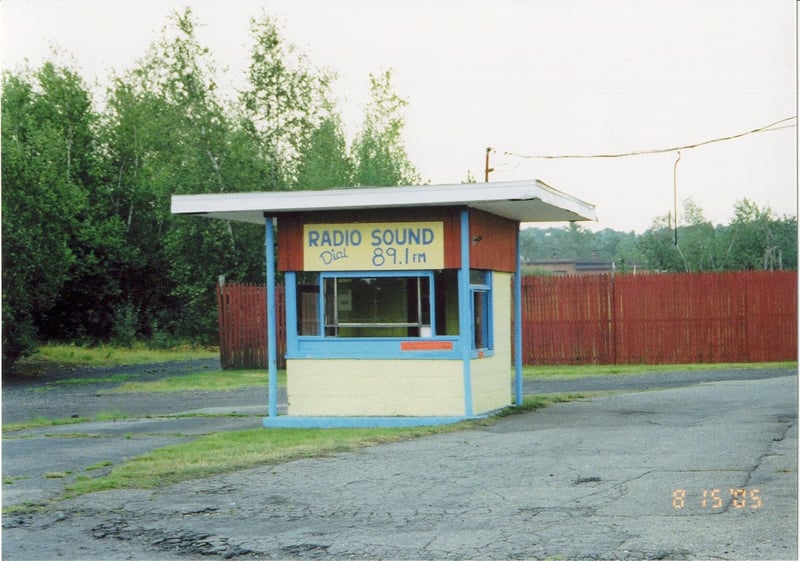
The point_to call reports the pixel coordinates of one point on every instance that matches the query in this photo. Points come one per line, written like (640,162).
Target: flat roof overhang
(523,201)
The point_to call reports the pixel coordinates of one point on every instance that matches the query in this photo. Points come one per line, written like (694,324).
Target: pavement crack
(788,423)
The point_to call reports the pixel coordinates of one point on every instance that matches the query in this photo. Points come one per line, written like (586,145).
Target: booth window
(481,292)
(403,304)
(377,306)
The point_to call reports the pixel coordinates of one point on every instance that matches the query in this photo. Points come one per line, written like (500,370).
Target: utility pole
(486,168)
(675,198)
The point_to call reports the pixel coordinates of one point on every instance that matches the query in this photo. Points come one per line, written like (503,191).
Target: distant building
(580,266)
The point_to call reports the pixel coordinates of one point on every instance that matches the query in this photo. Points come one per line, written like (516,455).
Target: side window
(481,299)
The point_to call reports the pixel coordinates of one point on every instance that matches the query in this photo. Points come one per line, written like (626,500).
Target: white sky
(528,77)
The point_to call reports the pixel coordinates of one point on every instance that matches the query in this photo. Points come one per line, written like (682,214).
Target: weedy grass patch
(10,480)
(51,357)
(57,474)
(591,370)
(209,380)
(99,465)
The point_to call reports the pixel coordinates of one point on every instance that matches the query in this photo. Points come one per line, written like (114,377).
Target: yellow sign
(373,246)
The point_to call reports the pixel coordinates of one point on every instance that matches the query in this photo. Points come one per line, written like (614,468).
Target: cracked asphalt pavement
(700,471)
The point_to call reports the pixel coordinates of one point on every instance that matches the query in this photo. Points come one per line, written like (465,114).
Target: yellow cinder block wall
(366,387)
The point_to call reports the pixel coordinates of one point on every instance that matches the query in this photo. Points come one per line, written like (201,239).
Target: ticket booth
(402,303)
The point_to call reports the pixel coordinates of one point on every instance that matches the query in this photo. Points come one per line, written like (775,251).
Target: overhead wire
(766,128)
(674,219)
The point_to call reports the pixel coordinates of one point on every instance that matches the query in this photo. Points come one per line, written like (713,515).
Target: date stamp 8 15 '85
(715,499)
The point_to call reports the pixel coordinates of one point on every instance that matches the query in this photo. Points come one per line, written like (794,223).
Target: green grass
(210,380)
(99,465)
(557,372)
(58,356)
(13,479)
(115,378)
(57,474)
(235,450)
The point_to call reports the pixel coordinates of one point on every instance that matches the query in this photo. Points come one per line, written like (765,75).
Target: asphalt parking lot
(701,471)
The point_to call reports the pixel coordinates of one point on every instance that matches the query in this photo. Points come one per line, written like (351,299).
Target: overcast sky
(526,77)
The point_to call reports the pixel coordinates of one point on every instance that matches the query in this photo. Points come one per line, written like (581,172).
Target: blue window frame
(480,288)
(373,314)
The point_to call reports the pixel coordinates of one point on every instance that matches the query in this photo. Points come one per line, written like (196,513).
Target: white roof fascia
(523,201)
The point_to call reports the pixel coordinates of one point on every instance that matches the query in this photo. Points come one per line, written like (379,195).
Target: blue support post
(272,324)
(290,297)
(518,326)
(465,312)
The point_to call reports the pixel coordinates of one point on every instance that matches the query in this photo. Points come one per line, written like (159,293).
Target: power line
(766,128)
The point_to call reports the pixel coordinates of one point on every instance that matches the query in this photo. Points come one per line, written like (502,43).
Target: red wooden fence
(242,312)
(660,319)
(597,319)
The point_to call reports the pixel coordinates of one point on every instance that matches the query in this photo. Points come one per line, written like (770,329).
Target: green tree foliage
(283,104)
(325,162)
(577,243)
(755,239)
(697,243)
(91,251)
(380,153)
(658,248)
(51,231)
(168,133)
(696,246)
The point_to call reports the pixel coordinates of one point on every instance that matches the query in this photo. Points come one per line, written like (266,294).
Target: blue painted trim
(401,273)
(489,317)
(290,422)
(272,329)
(518,326)
(290,287)
(464,312)
(376,348)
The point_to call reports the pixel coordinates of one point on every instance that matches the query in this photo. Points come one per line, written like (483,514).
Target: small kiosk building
(399,300)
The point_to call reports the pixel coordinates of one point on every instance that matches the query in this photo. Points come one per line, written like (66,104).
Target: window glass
(377,306)
(481,300)
(307,303)
(446,294)
(477,276)
(480,315)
